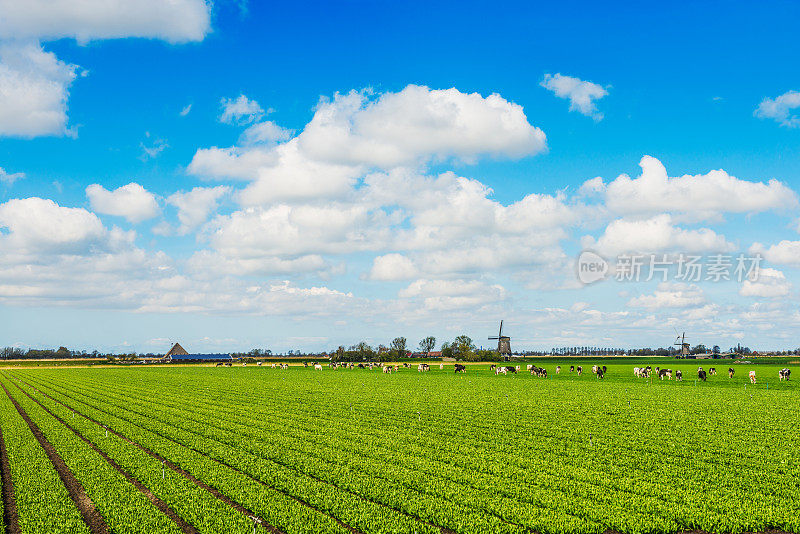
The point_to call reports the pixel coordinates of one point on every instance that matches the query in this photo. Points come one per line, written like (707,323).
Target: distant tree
(716,349)
(463,348)
(447,350)
(398,347)
(11,353)
(427,344)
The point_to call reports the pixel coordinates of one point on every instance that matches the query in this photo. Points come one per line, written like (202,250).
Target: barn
(179,354)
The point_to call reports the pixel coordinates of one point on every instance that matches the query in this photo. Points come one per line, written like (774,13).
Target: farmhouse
(179,354)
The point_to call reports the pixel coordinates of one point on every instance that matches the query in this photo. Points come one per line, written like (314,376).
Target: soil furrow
(216,493)
(89,513)
(10,518)
(444,530)
(161,505)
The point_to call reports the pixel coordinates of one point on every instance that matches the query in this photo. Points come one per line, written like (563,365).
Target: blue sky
(380,212)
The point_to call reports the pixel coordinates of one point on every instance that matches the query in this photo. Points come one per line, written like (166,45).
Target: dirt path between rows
(216,493)
(10,517)
(87,509)
(443,530)
(161,505)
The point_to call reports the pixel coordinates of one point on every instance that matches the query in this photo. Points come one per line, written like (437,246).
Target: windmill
(503,344)
(680,341)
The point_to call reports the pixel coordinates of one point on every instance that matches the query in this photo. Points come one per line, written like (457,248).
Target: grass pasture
(244,449)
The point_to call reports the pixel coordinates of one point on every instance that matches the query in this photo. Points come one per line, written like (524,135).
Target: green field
(244,449)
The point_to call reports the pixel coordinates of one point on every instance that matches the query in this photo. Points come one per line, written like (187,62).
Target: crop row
(42,501)
(457,474)
(537,468)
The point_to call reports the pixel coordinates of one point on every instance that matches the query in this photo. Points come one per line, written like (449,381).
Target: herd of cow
(541,372)
(644,372)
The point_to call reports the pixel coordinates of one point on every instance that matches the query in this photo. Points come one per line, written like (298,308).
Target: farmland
(201,449)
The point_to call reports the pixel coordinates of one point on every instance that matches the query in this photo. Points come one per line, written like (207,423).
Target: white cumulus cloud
(701,196)
(781,109)
(265,132)
(38,224)
(174,20)
(34,87)
(392,267)
(240,110)
(131,201)
(785,252)
(670,295)
(581,94)
(417,124)
(767,282)
(656,234)
(195,206)
(10,177)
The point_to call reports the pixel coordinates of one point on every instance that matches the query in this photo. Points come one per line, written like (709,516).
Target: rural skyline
(246,175)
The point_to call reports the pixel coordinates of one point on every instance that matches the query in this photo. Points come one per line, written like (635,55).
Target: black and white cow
(460,368)
(712,370)
(558,369)
(678,375)
(730,372)
(784,373)
(580,369)
(571,368)
(701,374)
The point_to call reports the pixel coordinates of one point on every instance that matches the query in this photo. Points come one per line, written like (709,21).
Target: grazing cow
(441,366)
(784,373)
(387,370)
(460,368)
(499,370)
(604,369)
(273,365)
(599,373)
(662,373)
(642,372)
(512,369)
(259,363)
(492,367)
(423,367)
(317,367)
(541,372)
(305,364)
(580,369)
(517,369)
(529,367)
(594,369)
(701,374)
(730,372)
(558,369)
(712,370)
(284,366)
(220,364)
(678,375)
(752,377)
(571,368)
